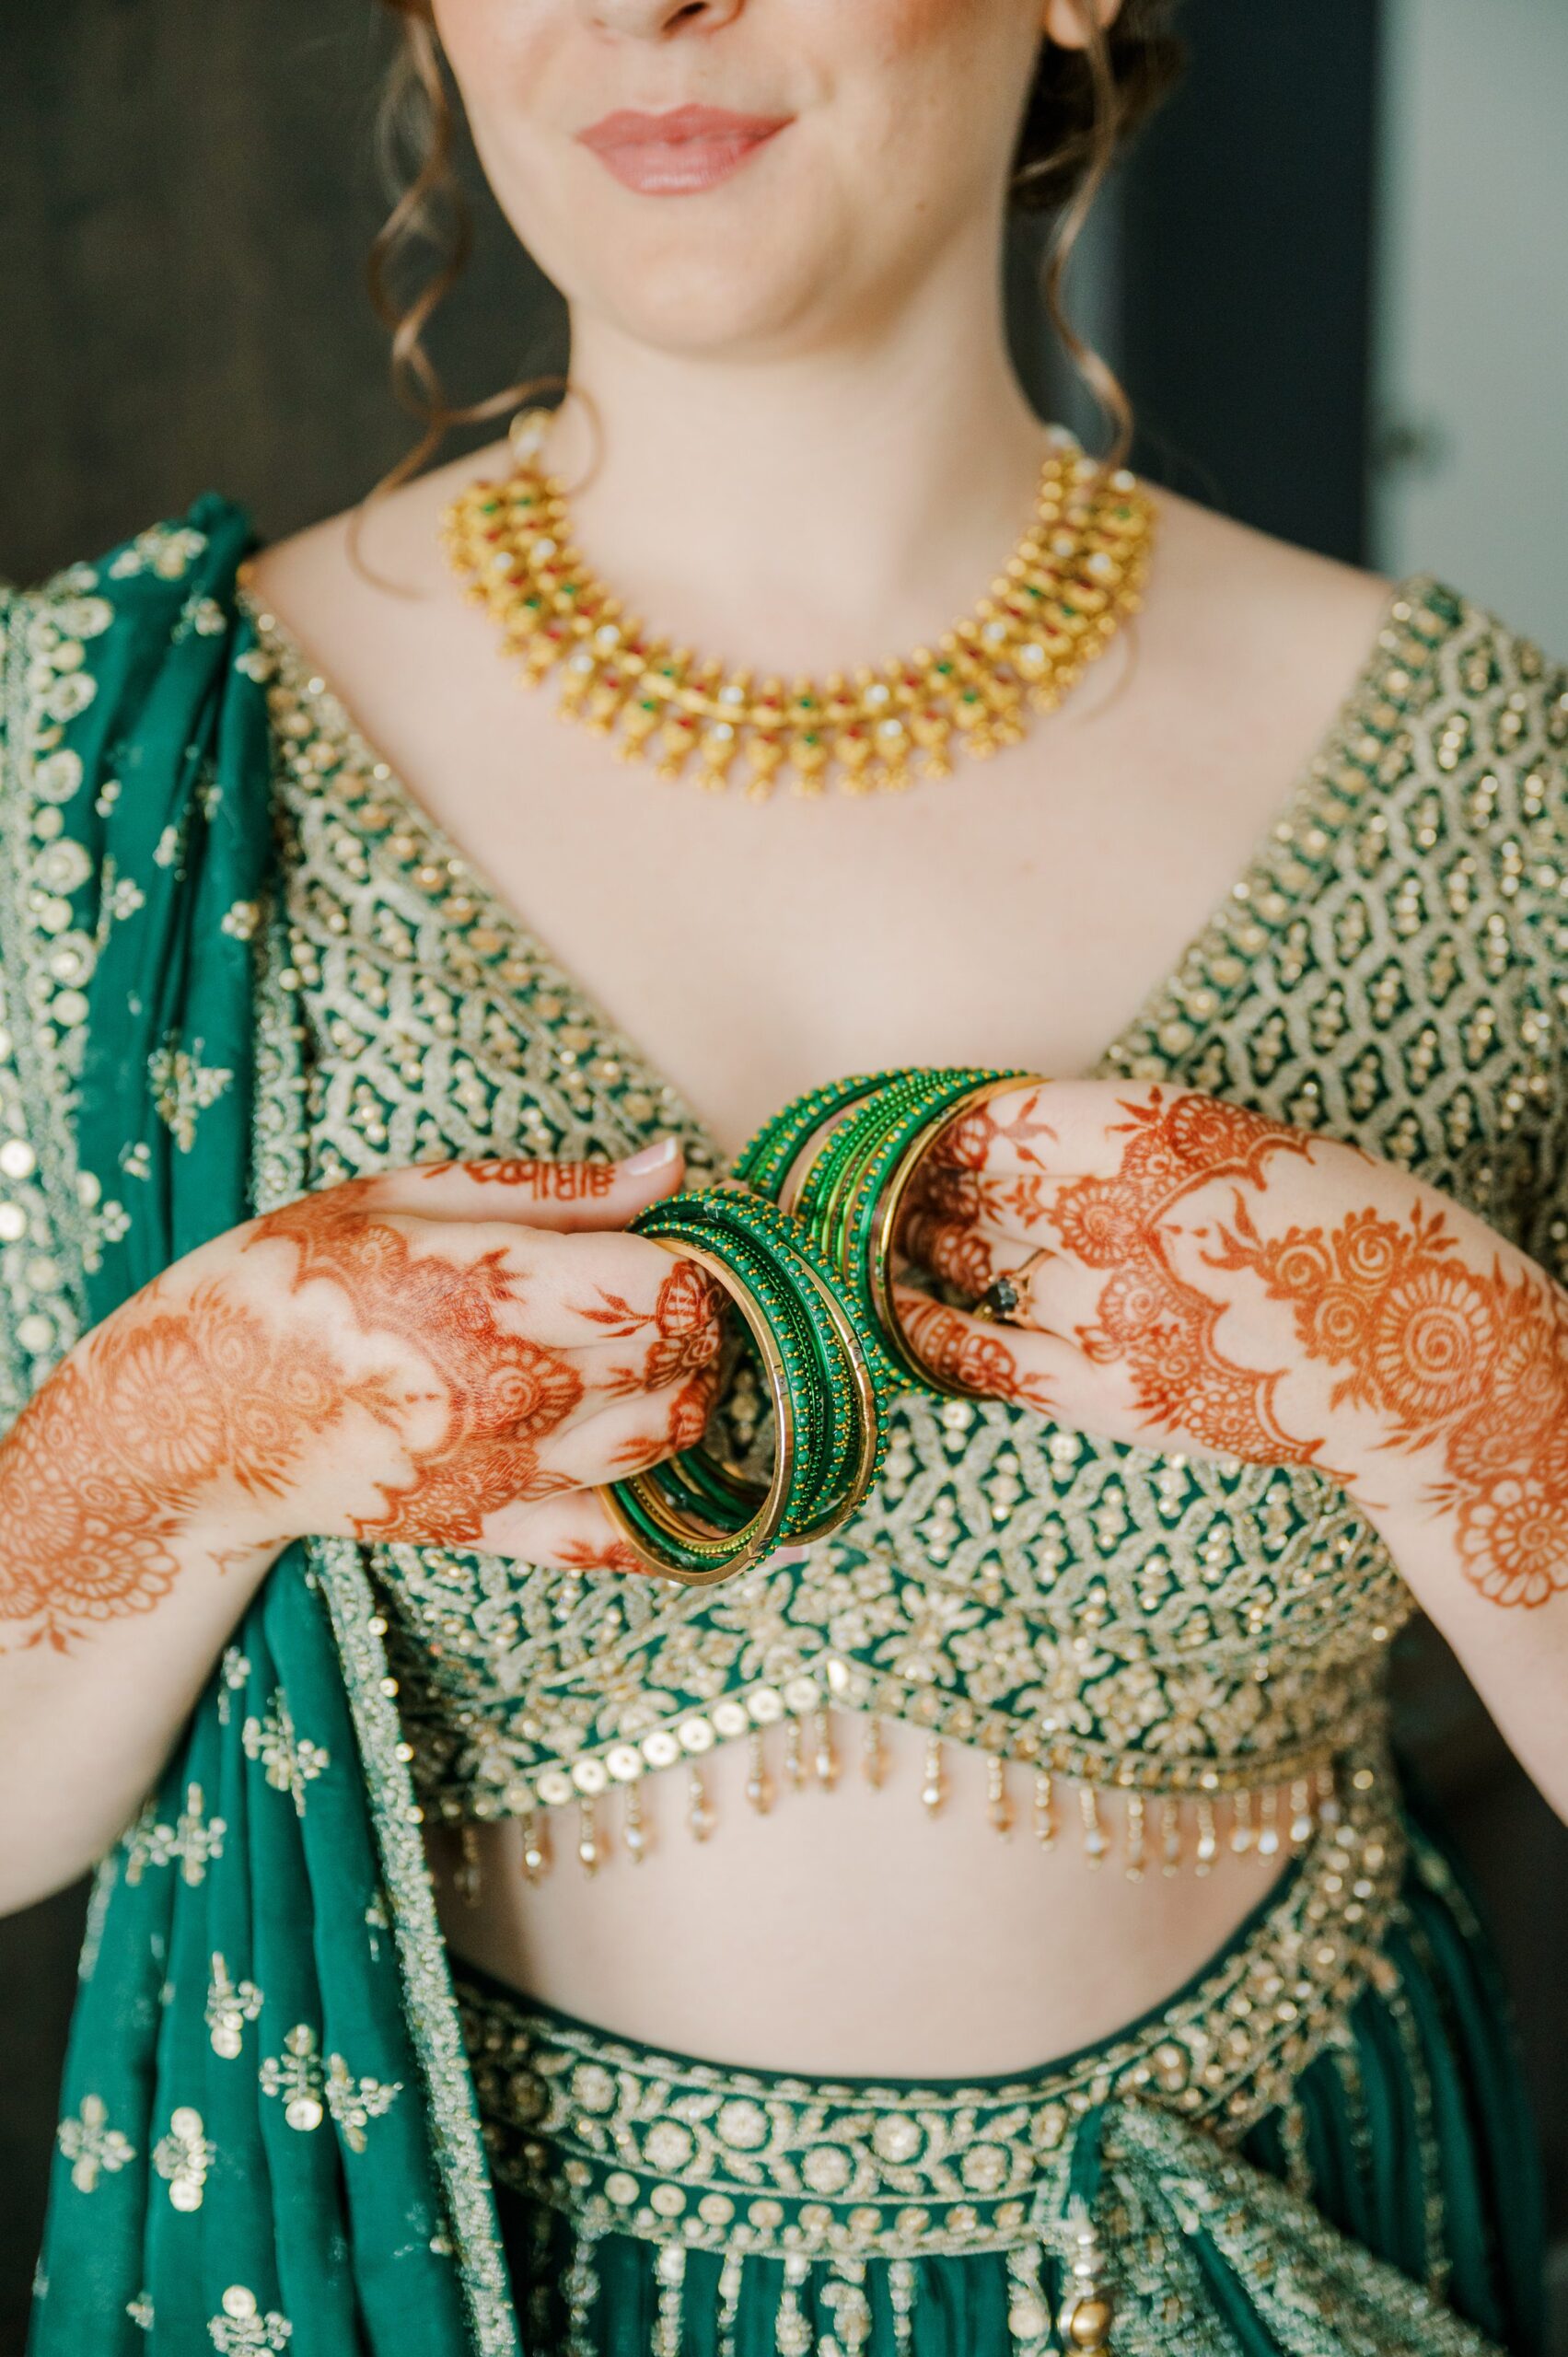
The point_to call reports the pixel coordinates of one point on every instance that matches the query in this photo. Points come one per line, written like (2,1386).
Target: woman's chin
(732,298)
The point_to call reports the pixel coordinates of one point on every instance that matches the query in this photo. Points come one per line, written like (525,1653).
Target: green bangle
(771,1151)
(697,1518)
(852,1189)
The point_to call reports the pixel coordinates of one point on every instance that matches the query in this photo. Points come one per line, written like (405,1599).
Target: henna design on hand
(957,1350)
(953,1192)
(1474,1364)
(615,1555)
(160,1405)
(1151,1318)
(687,1326)
(1448,1357)
(558,1182)
(99,1467)
(501,1393)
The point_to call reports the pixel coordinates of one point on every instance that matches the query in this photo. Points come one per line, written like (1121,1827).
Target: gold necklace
(1077,570)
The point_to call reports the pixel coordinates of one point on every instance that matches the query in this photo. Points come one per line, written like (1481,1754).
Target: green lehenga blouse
(236,962)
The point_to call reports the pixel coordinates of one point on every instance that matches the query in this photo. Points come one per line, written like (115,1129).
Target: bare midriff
(849,1931)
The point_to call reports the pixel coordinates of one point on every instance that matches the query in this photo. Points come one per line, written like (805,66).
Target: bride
(996,1926)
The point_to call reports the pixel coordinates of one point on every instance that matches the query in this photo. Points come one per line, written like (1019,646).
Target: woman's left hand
(1201,1278)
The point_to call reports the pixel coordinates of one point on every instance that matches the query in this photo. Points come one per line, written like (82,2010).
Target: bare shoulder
(1230,606)
(378,611)
(350,570)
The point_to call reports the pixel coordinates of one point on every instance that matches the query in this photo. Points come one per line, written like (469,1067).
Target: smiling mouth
(682,151)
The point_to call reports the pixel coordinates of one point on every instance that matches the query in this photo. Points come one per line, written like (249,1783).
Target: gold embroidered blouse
(1389,967)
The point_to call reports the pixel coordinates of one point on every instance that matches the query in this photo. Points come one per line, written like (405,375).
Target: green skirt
(1317,2148)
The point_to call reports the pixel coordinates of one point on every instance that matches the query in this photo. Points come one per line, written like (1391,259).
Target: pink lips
(687,148)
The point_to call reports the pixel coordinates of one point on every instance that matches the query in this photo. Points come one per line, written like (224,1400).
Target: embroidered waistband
(623,2138)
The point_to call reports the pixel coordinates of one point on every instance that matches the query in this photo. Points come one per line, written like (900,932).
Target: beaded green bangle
(695,1517)
(772,1151)
(851,1191)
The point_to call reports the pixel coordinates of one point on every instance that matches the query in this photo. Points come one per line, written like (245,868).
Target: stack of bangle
(812,1280)
(698,1517)
(866,1136)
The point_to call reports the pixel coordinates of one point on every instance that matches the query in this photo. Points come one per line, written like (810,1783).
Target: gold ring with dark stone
(1005,1296)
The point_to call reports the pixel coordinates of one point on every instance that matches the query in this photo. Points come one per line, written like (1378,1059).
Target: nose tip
(650,19)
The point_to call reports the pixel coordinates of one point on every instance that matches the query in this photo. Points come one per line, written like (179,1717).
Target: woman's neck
(769,505)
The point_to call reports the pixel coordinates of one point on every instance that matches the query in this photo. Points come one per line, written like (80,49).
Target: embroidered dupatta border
(340,1569)
(41,1185)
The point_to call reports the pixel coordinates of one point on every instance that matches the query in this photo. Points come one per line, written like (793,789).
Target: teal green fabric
(269,2138)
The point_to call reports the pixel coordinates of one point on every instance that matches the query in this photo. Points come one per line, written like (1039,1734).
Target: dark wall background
(188,196)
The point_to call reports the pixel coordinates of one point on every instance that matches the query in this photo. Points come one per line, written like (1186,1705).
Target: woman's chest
(1361,974)
(1015,911)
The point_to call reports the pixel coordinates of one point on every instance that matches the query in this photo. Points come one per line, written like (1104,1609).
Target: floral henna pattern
(1150,1317)
(684,1327)
(953,1191)
(1473,1363)
(98,1471)
(615,1555)
(98,1468)
(957,1352)
(501,1393)
(1159,1324)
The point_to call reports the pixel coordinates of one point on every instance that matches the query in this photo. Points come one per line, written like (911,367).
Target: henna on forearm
(1471,1363)
(101,1469)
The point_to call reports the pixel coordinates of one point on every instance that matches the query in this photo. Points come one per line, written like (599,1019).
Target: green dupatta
(268,2136)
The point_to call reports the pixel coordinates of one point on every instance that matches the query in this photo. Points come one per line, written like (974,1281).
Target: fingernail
(651,1157)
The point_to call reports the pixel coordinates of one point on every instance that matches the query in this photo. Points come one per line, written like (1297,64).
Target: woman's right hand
(450,1354)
